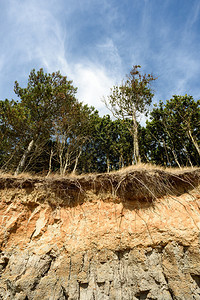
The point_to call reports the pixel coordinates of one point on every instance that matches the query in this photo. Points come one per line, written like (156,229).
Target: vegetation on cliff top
(49,130)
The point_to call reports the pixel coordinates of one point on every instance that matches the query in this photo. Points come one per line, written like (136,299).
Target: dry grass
(143,182)
(139,167)
(152,167)
(24,175)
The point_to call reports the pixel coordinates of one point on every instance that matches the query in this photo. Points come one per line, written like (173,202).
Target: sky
(95,43)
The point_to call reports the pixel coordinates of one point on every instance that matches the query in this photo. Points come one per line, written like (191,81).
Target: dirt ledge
(141,185)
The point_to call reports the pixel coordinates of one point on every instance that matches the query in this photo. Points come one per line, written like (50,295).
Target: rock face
(100,247)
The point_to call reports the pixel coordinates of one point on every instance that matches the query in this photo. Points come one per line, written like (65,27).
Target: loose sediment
(108,236)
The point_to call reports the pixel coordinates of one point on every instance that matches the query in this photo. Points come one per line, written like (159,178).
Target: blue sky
(96,42)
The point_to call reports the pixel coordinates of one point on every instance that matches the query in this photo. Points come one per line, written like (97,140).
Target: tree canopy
(47,129)
(130,99)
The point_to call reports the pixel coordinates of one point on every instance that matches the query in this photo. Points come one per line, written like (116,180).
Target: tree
(13,126)
(109,146)
(42,99)
(107,140)
(173,133)
(71,131)
(129,100)
(186,112)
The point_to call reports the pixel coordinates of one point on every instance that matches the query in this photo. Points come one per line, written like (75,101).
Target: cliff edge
(127,235)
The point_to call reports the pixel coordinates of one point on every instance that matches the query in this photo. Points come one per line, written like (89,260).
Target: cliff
(127,235)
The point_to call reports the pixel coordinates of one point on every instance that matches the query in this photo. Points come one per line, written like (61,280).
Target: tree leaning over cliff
(129,100)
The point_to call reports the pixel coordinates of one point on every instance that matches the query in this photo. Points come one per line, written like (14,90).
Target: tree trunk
(136,153)
(24,157)
(76,161)
(121,161)
(50,160)
(166,153)
(188,156)
(175,158)
(173,148)
(61,163)
(108,164)
(67,162)
(194,141)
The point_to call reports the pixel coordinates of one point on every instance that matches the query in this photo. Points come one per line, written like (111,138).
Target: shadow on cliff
(133,188)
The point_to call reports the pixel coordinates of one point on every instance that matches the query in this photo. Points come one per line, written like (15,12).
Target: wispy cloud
(39,39)
(169,49)
(95,43)
(193,16)
(37,34)
(93,83)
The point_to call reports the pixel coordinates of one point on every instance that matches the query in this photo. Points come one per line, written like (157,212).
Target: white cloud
(48,34)
(40,40)
(93,84)
(37,33)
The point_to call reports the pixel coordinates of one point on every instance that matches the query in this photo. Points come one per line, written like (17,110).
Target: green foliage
(109,147)
(129,100)
(133,96)
(45,96)
(13,129)
(49,130)
(173,130)
(32,120)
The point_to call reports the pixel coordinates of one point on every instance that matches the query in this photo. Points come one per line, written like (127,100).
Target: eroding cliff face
(100,247)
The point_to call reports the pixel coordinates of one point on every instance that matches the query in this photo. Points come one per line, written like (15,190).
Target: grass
(143,182)
(152,167)
(139,167)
